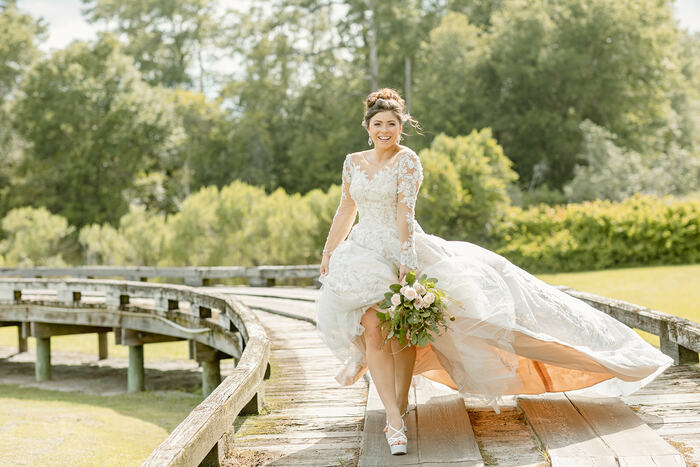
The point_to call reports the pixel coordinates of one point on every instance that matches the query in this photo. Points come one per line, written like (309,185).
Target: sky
(66,22)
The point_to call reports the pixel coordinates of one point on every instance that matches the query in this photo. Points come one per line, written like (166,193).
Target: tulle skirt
(513,333)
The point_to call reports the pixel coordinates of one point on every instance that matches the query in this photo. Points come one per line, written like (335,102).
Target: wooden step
(439,431)
(633,442)
(579,431)
(445,434)
(374,449)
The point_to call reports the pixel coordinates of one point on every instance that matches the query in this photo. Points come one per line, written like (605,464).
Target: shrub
(34,237)
(641,230)
(464,194)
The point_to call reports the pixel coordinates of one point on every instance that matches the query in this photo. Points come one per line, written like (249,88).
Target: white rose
(429,298)
(391,311)
(396,299)
(419,303)
(410,293)
(420,288)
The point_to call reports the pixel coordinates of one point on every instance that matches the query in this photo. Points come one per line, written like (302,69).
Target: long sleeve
(345,214)
(410,178)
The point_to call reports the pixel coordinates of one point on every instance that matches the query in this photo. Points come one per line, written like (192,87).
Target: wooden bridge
(281,405)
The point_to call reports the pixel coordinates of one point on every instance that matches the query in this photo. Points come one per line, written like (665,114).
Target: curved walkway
(314,421)
(310,419)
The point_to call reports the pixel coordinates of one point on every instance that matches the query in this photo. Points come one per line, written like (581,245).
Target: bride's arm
(410,178)
(344,216)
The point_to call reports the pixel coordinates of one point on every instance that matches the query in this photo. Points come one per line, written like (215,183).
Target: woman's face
(384,129)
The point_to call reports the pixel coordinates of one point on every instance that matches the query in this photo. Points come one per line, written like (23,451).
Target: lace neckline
(384,167)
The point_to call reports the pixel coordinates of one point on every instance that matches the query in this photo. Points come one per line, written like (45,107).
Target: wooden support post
(208,358)
(21,340)
(212,459)
(42,367)
(117,336)
(136,377)
(681,355)
(114,299)
(211,376)
(102,352)
(255,405)
(194,281)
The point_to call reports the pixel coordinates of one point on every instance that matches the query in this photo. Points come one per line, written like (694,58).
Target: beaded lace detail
(386,202)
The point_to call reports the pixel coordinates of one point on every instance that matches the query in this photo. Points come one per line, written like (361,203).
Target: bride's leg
(404,359)
(381,366)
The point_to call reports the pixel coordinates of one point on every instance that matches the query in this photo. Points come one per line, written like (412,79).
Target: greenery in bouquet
(414,311)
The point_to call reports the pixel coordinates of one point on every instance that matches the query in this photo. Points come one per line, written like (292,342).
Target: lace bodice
(386,199)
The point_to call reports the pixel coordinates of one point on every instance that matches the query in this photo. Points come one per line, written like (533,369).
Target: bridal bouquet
(414,310)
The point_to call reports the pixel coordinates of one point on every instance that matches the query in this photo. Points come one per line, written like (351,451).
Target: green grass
(41,427)
(671,289)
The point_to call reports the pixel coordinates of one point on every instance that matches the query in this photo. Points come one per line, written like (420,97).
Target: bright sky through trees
(66,23)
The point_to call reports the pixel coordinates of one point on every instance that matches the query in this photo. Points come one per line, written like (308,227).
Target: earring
(369,141)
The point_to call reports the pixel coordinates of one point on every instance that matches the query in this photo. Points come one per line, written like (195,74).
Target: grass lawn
(41,427)
(671,289)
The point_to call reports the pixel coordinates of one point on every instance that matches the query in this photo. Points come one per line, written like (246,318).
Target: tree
(540,68)
(91,125)
(464,195)
(34,237)
(19,35)
(165,37)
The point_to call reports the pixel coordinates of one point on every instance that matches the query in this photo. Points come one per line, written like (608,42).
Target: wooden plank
(568,438)
(444,431)
(661,399)
(375,450)
(632,441)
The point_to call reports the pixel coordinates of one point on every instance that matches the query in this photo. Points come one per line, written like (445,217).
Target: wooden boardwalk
(311,420)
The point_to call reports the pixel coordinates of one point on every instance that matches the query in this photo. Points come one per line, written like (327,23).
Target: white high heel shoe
(398,442)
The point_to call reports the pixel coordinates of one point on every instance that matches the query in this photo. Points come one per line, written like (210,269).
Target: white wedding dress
(513,333)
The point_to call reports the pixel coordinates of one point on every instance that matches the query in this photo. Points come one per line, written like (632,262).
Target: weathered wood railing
(679,338)
(216,326)
(258,276)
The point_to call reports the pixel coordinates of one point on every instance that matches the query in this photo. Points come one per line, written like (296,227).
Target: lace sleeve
(410,178)
(345,214)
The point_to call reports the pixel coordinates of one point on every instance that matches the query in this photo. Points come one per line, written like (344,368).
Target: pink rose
(410,293)
(396,299)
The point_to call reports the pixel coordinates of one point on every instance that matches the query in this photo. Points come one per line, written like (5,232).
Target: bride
(513,333)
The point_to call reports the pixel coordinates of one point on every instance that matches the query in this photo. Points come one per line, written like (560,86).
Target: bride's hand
(324,265)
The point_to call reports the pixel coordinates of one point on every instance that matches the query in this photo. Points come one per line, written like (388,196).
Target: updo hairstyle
(387,99)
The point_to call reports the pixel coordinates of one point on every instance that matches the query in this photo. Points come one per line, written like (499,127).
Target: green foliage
(540,68)
(164,37)
(33,237)
(614,173)
(78,163)
(19,34)
(464,194)
(241,225)
(641,230)
(140,240)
